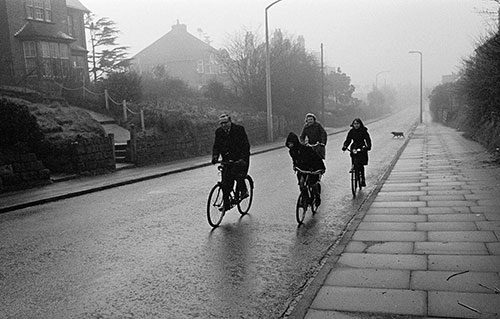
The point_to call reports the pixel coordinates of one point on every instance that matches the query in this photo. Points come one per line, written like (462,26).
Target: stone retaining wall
(93,156)
(21,171)
(159,149)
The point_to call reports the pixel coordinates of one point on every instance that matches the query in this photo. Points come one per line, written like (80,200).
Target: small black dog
(398,134)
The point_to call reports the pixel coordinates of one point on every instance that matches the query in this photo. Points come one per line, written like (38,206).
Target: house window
(29,48)
(199,66)
(71,26)
(48,10)
(54,50)
(45,50)
(39,10)
(30,9)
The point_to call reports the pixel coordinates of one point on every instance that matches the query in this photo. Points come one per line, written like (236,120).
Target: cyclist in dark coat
(312,133)
(231,143)
(305,158)
(359,138)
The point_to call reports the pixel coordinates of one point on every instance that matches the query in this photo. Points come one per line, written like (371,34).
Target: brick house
(42,40)
(183,56)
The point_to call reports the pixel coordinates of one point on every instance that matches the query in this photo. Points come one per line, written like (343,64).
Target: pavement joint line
(298,307)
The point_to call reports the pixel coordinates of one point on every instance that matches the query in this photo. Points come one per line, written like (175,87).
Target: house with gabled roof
(183,56)
(42,40)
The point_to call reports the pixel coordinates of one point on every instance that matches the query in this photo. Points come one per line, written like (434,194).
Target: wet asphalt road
(145,250)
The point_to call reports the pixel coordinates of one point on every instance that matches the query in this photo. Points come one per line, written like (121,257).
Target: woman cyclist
(305,158)
(359,138)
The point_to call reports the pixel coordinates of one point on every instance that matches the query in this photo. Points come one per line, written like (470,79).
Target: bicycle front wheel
(354,182)
(215,206)
(301,208)
(245,203)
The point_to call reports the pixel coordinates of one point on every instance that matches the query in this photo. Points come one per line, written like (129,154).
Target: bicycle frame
(307,196)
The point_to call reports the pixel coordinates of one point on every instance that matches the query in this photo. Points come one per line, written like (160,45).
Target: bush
(19,130)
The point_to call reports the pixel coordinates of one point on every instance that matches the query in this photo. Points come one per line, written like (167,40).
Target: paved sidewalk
(427,245)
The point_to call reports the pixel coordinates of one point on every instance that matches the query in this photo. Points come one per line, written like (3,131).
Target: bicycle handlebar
(316,144)
(356,150)
(318,172)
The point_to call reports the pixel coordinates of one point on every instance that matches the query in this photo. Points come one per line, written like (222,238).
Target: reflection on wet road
(146,250)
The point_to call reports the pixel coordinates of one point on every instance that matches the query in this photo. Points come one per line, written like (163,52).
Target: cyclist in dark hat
(231,143)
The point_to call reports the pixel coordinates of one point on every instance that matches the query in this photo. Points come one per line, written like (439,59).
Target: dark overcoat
(233,145)
(359,138)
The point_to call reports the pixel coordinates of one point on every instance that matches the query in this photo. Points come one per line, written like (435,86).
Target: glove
(214,159)
(344,148)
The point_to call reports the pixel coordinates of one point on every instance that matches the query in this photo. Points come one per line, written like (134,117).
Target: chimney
(179,27)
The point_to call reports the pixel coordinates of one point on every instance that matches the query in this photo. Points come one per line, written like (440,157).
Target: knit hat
(311,115)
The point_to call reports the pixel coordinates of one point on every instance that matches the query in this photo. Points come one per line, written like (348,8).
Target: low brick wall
(22,171)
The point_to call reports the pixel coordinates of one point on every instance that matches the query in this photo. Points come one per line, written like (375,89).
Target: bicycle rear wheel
(215,206)
(244,204)
(301,208)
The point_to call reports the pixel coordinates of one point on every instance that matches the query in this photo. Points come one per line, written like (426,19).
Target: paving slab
(458,305)
(398,198)
(446,281)
(451,203)
(462,217)
(450,248)
(392,210)
(493,248)
(490,263)
(370,278)
(446,226)
(375,247)
(470,236)
(387,226)
(488,225)
(374,235)
(395,218)
(383,261)
(444,210)
(399,204)
(396,301)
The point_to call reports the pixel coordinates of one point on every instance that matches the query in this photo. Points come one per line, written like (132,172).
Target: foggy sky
(362,37)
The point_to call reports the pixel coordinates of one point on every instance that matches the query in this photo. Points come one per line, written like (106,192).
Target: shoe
(225,207)
(318,201)
(244,195)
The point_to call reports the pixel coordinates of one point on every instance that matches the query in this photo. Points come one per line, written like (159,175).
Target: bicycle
(308,195)
(215,204)
(356,171)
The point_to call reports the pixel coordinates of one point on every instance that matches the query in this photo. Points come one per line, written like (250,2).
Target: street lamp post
(268,81)
(376,78)
(420,53)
